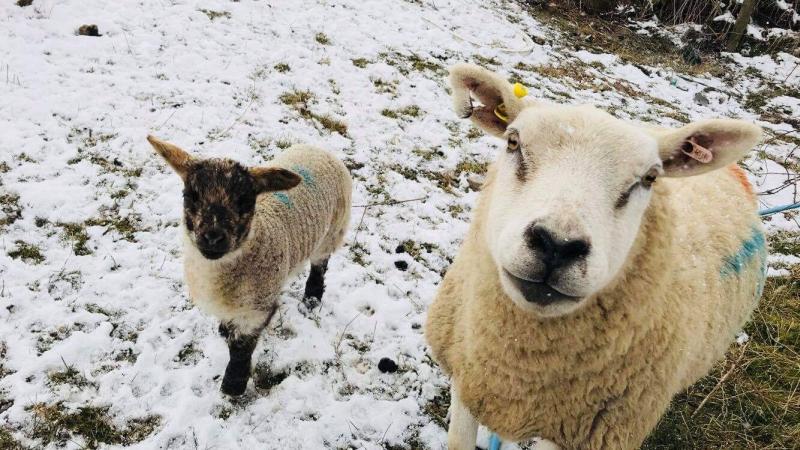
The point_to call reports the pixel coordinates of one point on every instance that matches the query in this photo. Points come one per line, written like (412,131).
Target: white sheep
(244,236)
(586,293)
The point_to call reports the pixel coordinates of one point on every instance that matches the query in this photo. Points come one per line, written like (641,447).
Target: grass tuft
(301,101)
(411,111)
(212,15)
(55,424)
(27,252)
(758,405)
(10,209)
(322,38)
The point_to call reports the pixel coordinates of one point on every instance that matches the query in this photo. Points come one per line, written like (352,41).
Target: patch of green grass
(212,15)
(75,233)
(70,376)
(322,38)
(486,62)
(265,378)
(301,101)
(282,67)
(189,354)
(411,111)
(406,63)
(786,242)
(416,249)
(361,63)
(332,124)
(385,87)
(7,441)
(471,166)
(27,252)
(474,133)
(758,99)
(757,406)
(436,409)
(56,424)
(283,143)
(127,226)
(10,208)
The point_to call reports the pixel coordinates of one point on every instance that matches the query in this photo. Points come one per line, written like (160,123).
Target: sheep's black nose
(552,251)
(213,237)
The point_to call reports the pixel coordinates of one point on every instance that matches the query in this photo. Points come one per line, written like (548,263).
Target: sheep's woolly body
(306,222)
(603,376)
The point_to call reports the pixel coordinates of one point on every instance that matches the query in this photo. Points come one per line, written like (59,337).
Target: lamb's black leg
(315,285)
(240,349)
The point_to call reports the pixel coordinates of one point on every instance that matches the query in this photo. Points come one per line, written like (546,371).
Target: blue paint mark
(308,178)
(283,198)
(755,245)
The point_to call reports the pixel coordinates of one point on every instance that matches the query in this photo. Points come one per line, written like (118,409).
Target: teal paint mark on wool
(283,198)
(755,245)
(308,177)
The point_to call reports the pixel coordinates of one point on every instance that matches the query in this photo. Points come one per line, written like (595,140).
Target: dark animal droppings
(400,249)
(402,265)
(24,3)
(386,365)
(89,30)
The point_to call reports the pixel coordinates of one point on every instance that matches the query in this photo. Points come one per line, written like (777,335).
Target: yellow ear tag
(500,111)
(520,90)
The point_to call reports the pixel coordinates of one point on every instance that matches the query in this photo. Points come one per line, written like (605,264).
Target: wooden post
(740,27)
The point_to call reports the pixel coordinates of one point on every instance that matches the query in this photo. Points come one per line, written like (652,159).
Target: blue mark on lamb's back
(283,198)
(308,177)
(755,245)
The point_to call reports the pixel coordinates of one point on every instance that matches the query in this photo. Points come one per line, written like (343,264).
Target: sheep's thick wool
(289,227)
(603,376)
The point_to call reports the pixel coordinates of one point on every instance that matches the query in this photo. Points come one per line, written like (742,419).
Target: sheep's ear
(177,158)
(704,146)
(269,179)
(491,90)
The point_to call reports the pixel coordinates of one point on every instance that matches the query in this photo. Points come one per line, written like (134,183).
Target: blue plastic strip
(494,442)
(777,209)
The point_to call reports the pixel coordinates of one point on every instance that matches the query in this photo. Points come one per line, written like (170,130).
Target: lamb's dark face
(219,197)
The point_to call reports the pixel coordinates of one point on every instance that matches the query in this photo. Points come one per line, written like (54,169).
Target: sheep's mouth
(212,254)
(539,292)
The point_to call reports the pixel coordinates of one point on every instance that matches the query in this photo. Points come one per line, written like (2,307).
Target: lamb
(244,236)
(607,267)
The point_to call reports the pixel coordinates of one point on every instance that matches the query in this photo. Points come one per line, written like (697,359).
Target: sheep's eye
(649,178)
(513,142)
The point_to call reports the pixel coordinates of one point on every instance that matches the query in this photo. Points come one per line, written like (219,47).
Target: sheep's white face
(566,204)
(568,194)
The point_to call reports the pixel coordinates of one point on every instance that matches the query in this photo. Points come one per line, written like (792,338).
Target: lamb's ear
(491,90)
(269,179)
(704,146)
(177,158)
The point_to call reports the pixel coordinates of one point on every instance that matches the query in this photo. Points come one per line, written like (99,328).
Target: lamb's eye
(513,142)
(190,198)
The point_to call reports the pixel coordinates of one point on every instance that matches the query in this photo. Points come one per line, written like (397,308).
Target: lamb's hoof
(311,302)
(234,388)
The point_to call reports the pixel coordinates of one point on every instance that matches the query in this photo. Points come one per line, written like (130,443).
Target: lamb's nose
(213,237)
(552,251)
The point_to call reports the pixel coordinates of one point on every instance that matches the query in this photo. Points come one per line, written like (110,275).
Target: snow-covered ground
(94,311)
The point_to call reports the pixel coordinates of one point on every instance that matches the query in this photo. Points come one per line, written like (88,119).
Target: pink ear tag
(698,152)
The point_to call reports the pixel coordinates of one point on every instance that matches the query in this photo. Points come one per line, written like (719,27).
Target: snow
(75,111)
